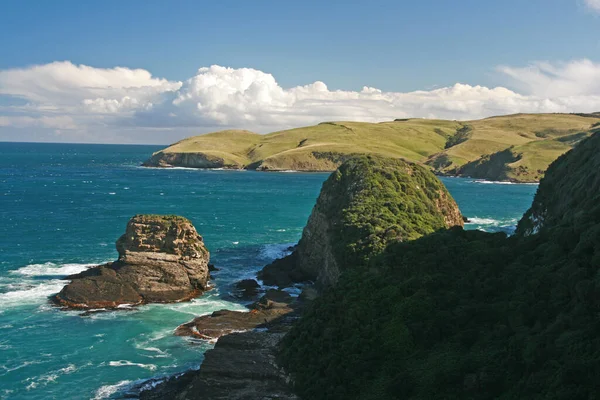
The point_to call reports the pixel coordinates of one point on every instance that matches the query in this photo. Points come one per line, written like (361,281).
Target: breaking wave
(33,283)
(272,252)
(52,269)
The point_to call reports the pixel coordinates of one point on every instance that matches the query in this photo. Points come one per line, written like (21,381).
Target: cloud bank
(63,101)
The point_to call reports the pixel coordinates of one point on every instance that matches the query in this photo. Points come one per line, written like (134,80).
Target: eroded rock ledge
(161,259)
(243,365)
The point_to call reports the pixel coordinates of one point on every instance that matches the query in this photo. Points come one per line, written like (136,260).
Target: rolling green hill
(516,147)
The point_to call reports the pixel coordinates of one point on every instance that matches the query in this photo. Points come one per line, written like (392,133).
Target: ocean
(62,207)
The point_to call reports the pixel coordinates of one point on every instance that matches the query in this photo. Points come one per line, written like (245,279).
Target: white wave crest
(158,352)
(275,251)
(482,221)
(52,269)
(106,391)
(486,182)
(125,363)
(31,293)
(492,222)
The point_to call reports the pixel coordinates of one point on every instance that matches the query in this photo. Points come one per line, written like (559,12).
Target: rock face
(161,259)
(187,160)
(368,202)
(242,366)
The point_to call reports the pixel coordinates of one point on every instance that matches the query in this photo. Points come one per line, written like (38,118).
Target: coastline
(312,171)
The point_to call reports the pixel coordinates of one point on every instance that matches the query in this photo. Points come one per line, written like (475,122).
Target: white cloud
(65,96)
(593,5)
(577,78)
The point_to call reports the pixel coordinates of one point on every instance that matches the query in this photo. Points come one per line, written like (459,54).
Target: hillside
(467,314)
(515,147)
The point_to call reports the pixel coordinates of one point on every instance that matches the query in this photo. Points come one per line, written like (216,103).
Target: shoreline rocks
(241,366)
(162,259)
(274,304)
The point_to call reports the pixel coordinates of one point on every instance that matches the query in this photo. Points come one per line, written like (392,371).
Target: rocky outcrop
(243,363)
(246,289)
(241,366)
(368,202)
(187,160)
(274,304)
(161,259)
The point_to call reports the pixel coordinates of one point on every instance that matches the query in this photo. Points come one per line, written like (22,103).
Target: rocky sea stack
(161,259)
(367,203)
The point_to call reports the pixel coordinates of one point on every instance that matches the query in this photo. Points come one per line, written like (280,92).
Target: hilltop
(515,147)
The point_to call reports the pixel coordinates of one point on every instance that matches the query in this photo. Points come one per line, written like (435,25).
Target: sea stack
(162,259)
(368,202)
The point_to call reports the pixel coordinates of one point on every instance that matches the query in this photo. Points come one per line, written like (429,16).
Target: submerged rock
(246,289)
(161,259)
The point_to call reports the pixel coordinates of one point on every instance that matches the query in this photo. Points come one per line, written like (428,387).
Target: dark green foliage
(373,200)
(466,314)
(462,135)
(570,192)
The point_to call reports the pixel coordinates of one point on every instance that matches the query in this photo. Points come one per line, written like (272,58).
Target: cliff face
(186,160)
(570,192)
(161,259)
(367,203)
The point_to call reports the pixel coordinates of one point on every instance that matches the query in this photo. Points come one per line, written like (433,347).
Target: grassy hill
(515,147)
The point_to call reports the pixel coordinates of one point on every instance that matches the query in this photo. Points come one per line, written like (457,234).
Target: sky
(157,71)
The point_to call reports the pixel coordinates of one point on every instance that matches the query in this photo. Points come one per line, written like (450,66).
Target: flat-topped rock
(161,259)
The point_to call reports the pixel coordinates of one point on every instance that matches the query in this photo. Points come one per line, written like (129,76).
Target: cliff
(367,203)
(468,314)
(570,194)
(514,147)
(161,259)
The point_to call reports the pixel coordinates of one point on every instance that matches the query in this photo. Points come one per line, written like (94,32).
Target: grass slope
(535,140)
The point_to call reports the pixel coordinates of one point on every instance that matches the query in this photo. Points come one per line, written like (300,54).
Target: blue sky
(394,46)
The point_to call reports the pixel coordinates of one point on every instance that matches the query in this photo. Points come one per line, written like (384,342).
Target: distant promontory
(516,148)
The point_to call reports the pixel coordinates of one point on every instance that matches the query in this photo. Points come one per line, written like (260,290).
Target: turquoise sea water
(63,206)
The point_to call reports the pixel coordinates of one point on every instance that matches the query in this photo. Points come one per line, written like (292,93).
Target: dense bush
(372,200)
(467,314)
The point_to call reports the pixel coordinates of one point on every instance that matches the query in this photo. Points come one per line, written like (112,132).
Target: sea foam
(27,285)
(125,363)
(274,251)
(486,182)
(108,390)
(51,269)
(30,294)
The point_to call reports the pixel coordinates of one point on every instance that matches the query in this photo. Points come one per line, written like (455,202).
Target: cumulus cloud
(65,96)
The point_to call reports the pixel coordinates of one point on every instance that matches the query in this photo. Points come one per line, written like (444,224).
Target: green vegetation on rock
(534,140)
(467,314)
(366,203)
